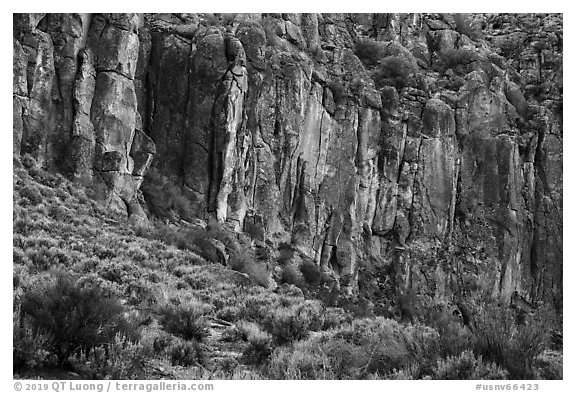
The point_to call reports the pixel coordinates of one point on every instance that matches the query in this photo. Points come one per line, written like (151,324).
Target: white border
(555,6)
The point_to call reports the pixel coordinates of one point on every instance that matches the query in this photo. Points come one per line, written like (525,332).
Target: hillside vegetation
(96,296)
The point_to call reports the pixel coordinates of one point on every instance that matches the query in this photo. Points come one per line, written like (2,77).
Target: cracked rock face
(75,106)
(272,122)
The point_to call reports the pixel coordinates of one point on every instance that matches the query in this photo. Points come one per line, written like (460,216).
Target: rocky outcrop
(315,158)
(78,112)
(439,159)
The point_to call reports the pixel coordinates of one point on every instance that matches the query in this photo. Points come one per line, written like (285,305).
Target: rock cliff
(419,149)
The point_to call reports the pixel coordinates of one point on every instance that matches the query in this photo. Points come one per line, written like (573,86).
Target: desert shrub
(183,271)
(30,348)
(59,213)
(23,225)
(245,262)
(421,341)
(44,258)
(407,373)
(207,245)
(359,308)
(311,273)
(382,342)
(103,251)
(182,238)
(139,291)
(500,339)
(31,193)
(48,193)
(454,58)
(137,254)
(44,177)
(260,343)
(233,241)
(305,360)
(286,254)
(164,197)
(335,317)
(388,345)
(77,316)
(548,365)
(392,71)
(557,338)
(185,353)
(19,257)
(256,307)
(196,282)
(321,357)
(362,349)
(242,257)
(286,327)
(155,341)
(242,330)
(465,366)
(124,360)
(466,25)
(370,52)
(454,335)
(28,161)
(291,275)
(346,360)
(184,320)
(181,284)
(230,313)
(294,323)
(116,271)
(38,241)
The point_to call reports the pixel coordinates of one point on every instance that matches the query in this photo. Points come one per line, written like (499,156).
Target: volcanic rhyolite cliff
(444,176)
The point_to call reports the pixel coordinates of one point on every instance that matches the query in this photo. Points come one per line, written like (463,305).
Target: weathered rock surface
(272,122)
(75,106)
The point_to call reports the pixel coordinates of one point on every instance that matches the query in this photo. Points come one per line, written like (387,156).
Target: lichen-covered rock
(19,94)
(38,120)
(74,102)
(68,33)
(116,49)
(83,137)
(113,114)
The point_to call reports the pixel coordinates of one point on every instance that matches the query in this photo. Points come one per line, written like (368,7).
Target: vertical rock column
(83,139)
(19,95)
(208,65)
(435,180)
(547,244)
(168,92)
(51,43)
(263,191)
(38,120)
(68,33)
(114,43)
(490,209)
(228,124)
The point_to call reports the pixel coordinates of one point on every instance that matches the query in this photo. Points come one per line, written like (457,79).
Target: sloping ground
(96,297)
(57,228)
